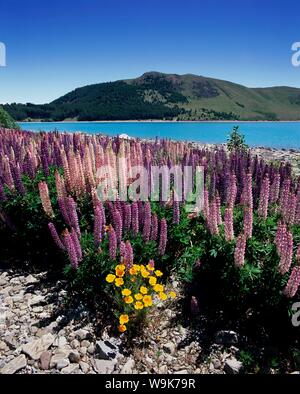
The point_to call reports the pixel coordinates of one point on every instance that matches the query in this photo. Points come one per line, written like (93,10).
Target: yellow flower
(144,273)
(123,319)
(126,292)
(122,328)
(138,297)
(150,267)
(158,273)
(120,270)
(147,300)
(142,267)
(143,290)
(132,271)
(110,278)
(119,282)
(152,281)
(172,294)
(136,267)
(138,305)
(163,296)
(128,300)
(158,288)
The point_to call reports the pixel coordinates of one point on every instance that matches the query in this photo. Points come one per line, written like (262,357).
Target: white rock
(71,369)
(128,367)
(35,300)
(30,280)
(14,365)
(74,357)
(84,366)
(60,341)
(104,366)
(35,348)
(232,366)
(62,363)
(106,350)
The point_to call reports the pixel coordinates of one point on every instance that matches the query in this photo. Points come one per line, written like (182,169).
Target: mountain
(6,120)
(156,95)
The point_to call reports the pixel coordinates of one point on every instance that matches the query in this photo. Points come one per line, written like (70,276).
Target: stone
(45,360)
(71,369)
(60,359)
(14,365)
(85,343)
(35,348)
(62,363)
(75,344)
(128,367)
(232,366)
(104,366)
(163,369)
(91,349)
(84,366)
(3,282)
(216,363)
(30,280)
(60,341)
(181,372)
(82,334)
(36,300)
(106,350)
(226,337)
(169,347)
(74,357)
(37,309)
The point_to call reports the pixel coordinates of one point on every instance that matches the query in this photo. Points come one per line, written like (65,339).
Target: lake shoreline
(161,121)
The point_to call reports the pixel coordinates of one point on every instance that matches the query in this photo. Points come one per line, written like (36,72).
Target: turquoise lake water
(269,134)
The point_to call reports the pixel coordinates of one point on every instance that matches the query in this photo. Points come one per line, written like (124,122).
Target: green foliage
(6,120)
(236,141)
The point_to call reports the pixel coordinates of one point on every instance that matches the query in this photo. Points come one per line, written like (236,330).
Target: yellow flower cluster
(139,284)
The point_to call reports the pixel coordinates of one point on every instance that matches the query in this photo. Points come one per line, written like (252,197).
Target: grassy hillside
(167,96)
(6,120)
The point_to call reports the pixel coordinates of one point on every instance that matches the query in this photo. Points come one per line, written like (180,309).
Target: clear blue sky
(55,46)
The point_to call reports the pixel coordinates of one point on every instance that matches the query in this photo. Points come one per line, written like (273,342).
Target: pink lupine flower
(228,224)
(112,239)
(248,221)
(147,221)
(45,198)
(127,217)
(154,228)
(163,237)
(123,251)
(60,186)
(55,236)
(129,255)
(284,244)
(298,254)
(247,194)
(206,204)
(293,283)
(275,189)
(264,198)
(232,192)
(240,249)
(151,263)
(213,219)
(285,191)
(290,214)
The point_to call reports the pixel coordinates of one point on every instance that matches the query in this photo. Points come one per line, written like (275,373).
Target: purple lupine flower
(76,244)
(291,213)
(228,224)
(55,236)
(16,172)
(112,240)
(135,218)
(117,223)
(213,219)
(176,212)
(275,189)
(129,255)
(72,214)
(98,225)
(240,249)
(163,237)
(63,210)
(293,283)
(218,210)
(154,228)
(127,217)
(298,254)
(68,242)
(2,193)
(206,204)
(286,252)
(123,251)
(147,221)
